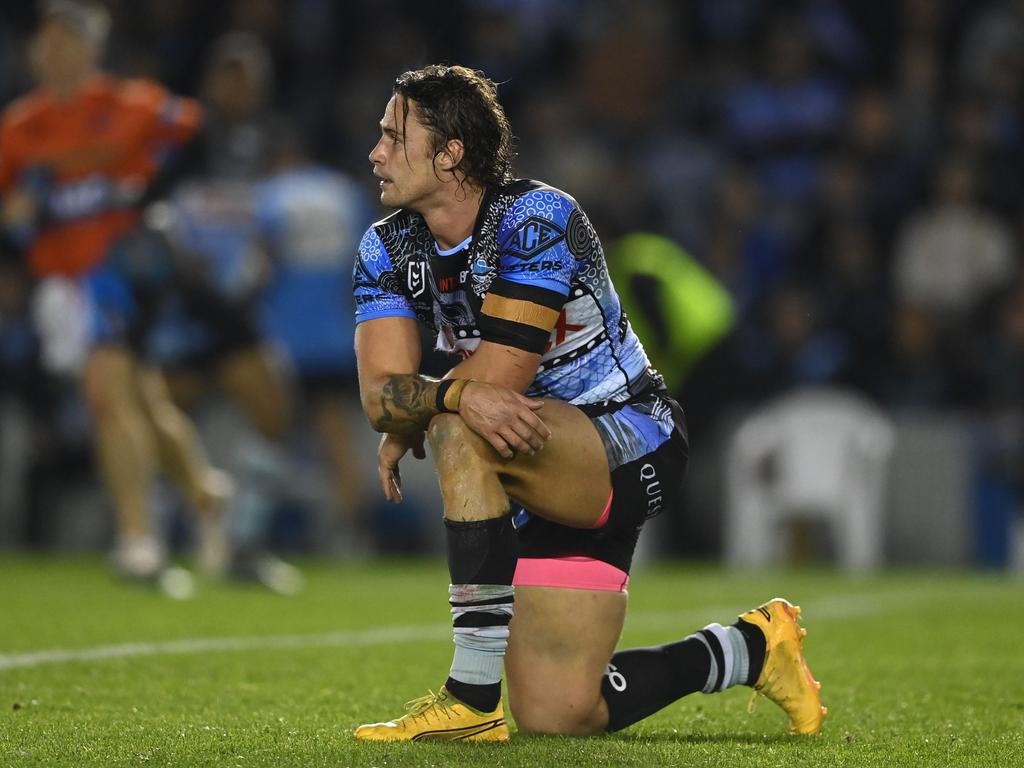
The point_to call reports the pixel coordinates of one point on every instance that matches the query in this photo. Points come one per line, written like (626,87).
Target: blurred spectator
(890,174)
(310,219)
(787,146)
(993,42)
(913,377)
(22,401)
(747,253)
(917,94)
(854,297)
(237,87)
(79,157)
(782,118)
(791,346)
(209,329)
(953,254)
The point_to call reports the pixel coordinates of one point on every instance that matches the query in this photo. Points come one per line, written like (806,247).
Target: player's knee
(445,430)
(570,713)
(452,440)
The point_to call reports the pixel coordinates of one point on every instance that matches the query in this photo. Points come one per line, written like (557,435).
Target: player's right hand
(392,448)
(504,418)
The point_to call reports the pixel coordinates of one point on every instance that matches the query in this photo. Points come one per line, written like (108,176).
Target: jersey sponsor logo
(85,197)
(361,299)
(652,488)
(532,237)
(535,266)
(451,282)
(417,278)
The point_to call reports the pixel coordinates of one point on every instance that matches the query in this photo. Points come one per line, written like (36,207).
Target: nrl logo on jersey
(532,237)
(417,281)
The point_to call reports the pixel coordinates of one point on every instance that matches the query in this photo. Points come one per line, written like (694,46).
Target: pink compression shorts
(575,572)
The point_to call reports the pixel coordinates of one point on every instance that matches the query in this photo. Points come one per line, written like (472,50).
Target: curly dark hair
(456,102)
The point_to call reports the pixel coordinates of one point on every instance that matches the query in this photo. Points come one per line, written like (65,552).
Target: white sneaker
(139,557)
(213,547)
(268,570)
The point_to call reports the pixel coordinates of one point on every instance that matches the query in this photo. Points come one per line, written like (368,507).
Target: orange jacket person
(79,156)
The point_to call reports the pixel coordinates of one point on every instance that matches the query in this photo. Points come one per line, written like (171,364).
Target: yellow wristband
(453,395)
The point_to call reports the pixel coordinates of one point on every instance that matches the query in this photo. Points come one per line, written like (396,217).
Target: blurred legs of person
(253,379)
(182,456)
(335,429)
(136,426)
(126,456)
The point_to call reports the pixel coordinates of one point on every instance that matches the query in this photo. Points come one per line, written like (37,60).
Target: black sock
(481,562)
(640,681)
(482,697)
(757,647)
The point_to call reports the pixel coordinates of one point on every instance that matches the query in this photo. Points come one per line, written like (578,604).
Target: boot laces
(420,706)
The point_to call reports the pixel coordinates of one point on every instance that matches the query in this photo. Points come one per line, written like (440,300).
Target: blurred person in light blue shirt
(311,219)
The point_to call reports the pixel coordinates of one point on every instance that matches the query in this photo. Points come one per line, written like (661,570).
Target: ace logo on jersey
(532,237)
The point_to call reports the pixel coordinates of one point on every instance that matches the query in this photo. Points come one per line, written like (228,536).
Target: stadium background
(849,172)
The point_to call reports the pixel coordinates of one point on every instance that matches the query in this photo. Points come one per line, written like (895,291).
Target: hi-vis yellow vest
(696,309)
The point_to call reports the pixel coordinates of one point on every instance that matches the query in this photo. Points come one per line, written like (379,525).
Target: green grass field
(918,669)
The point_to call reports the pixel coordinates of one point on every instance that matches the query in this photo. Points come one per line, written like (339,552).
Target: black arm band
(442,390)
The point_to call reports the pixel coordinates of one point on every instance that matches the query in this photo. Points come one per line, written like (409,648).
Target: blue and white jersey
(215,231)
(532,276)
(311,219)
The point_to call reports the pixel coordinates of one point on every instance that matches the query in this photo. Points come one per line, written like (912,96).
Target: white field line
(836,608)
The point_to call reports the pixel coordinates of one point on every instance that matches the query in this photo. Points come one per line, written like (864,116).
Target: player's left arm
(525,299)
(519,312)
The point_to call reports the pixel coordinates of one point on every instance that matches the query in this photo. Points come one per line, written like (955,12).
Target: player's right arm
(395,397)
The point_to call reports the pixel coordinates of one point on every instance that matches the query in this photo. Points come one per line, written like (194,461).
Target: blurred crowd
(851,173)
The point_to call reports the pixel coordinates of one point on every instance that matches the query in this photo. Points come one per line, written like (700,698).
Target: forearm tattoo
(407,402)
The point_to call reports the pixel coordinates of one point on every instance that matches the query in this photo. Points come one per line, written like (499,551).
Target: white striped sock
(480,651)
(730,660)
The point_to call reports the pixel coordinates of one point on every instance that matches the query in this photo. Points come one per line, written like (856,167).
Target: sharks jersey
(532,276)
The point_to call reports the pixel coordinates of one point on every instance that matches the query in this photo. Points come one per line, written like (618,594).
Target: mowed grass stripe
(819,610)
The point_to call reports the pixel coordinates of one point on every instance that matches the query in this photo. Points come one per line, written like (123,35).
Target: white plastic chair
(819,454)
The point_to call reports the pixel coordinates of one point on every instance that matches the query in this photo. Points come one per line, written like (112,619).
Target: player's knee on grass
(569,710)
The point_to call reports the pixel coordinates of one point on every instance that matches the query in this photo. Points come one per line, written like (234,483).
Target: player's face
(60,56)
(403,159)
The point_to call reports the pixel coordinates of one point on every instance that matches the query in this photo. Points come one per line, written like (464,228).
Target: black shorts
(647,447)
(207,327)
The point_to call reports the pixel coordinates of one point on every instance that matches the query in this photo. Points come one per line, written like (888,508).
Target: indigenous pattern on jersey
(311,219)
(532,276)
(86,163)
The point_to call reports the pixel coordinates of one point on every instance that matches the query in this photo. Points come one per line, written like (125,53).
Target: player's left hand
(392,448)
